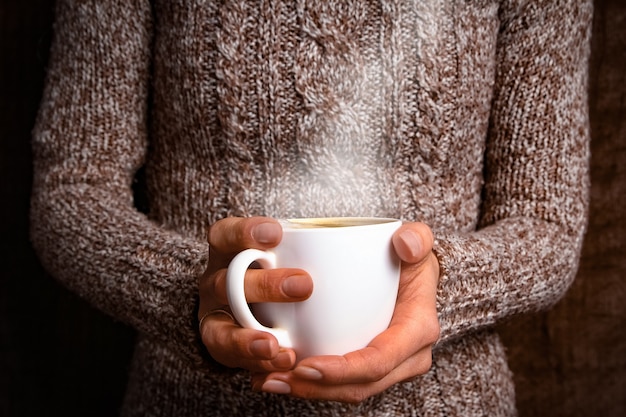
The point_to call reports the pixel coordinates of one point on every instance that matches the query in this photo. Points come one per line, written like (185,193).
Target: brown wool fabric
(469,116)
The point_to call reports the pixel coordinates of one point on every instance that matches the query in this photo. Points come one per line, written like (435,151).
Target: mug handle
(235,292)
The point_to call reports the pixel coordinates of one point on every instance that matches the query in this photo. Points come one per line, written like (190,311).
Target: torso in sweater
(321,108)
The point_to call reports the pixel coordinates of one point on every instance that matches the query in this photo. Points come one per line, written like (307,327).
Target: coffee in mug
(355,274)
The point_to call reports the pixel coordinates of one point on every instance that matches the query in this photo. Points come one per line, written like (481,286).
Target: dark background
(58,356)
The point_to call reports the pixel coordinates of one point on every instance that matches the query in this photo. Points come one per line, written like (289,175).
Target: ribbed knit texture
(469,116)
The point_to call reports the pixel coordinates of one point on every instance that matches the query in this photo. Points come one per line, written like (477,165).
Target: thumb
(413,242)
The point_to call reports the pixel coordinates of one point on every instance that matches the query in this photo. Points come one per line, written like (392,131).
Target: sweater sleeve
(89,140)
(524,254)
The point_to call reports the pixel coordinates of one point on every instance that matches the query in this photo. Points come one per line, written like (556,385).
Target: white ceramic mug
(355,274)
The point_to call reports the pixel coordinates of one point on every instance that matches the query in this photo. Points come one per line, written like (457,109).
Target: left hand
(400,353)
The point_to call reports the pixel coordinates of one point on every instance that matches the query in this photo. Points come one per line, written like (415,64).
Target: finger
(413,242)
(365,366)
(234,234)
(290,383)
(236,347)
(262,285)
(219,331)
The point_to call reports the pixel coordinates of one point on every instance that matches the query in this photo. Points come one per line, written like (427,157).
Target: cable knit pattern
(469,116)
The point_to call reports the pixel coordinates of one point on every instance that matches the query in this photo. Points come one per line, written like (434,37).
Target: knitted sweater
(467,115)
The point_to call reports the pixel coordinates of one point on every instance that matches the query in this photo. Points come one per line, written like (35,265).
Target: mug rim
(300,223)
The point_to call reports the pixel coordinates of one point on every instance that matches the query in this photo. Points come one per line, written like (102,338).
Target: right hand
(226,341)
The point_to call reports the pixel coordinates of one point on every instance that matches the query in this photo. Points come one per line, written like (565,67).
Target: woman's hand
(226,341)
(400,353)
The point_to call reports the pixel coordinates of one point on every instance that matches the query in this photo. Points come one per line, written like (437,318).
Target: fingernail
(274,386)
(267,232)
(261,348)
(256,385)
(296,286)
(412,242)
(284,360)
(306,372)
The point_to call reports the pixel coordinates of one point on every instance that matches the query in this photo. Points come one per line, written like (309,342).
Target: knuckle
(230,234)
(356,396)
(221,346)
(243,231)
(238,345)
(215,231)
(266,285)
(378,371)
(258,287)
(212,337)
(425,364)
(217,286)
(212,345)
(432,330)
(210,234)
(377,367)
